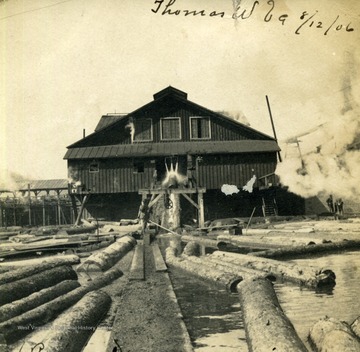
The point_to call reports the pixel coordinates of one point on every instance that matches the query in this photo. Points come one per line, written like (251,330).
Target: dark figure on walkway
(340,206)
(144,214)
(330,203)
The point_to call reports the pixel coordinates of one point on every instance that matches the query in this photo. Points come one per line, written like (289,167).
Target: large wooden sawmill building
(128,155)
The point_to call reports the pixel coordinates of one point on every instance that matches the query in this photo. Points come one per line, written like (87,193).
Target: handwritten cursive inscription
(241,12)
(168,10)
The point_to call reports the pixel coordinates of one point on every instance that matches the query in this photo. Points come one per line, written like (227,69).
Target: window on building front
(170,128)
(94,167)
(143,130)
(138,167)
(200,127)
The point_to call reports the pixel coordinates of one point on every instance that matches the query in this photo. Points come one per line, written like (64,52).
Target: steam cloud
(332,165)
(131,126)
(10,181)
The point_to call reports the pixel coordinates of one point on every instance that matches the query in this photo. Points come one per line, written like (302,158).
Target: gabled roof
(158,97)
(179,148)
(107,120)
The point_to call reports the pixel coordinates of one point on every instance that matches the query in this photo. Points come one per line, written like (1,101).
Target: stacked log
(332,335)
(355,327)
(225,279)
(108,257)
(26,271)
(24,287)
(36,299)
(307,276)
(287,252)
(72,329)
(267,327)
(41,315)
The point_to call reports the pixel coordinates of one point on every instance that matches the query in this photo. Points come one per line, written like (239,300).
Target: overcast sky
(65,63)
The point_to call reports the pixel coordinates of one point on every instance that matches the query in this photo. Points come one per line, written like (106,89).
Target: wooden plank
(137,271)
(173,190)
(160,265)
(190,200)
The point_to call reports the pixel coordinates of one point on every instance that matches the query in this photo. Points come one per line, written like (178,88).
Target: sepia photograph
(179,175)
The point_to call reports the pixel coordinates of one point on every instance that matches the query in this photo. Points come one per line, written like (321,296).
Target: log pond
(213,316)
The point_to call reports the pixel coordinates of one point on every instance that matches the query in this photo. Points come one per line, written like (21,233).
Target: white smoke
(324,160)
(73,176)
(131,126)
(173,178)
(229,189)
(11,181)
(250,184)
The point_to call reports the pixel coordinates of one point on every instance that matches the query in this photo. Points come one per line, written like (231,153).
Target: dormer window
(170,128)
(143,130)
(200,127)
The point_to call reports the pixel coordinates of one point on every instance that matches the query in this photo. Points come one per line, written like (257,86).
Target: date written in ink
(243,10)
(311,20)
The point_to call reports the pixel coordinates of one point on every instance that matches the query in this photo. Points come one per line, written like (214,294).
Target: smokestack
(83,132)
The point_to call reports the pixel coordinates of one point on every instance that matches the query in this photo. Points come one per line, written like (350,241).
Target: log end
(326,278)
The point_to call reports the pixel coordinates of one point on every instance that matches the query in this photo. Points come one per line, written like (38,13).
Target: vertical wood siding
(117,175)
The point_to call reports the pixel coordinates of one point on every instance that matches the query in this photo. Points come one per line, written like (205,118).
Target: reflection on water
(305,307)
(211,314)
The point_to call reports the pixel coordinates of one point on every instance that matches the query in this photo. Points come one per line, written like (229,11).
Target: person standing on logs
(144,215)
(340,206)
(330,203)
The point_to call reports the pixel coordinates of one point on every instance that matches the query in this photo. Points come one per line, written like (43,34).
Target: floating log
(105,259)
(355,327)
(267,327)
(229,268)
(308,276)
(225,279)
(48,311)
(36,299)
(72,329)
(264,242)
(47,264)
(207,242)
(241,270)
(332,335)
(192,248)
(307,250)
(24,287)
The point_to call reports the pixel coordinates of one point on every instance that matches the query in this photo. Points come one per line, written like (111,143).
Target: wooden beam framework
(156,194)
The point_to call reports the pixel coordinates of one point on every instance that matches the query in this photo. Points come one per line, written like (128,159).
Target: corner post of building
(201,209)
(58,206)
(29,203)
(44,212)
